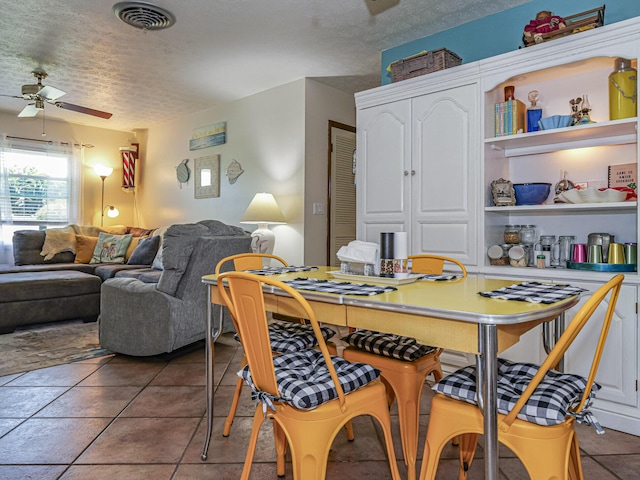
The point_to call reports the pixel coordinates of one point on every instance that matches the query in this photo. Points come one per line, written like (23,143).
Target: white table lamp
(262,211)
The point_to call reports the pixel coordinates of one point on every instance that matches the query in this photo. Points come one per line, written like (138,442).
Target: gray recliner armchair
(142,319)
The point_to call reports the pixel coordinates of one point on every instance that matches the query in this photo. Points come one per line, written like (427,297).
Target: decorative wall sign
(207,176)
(208,136)
(234,170)
(183,172)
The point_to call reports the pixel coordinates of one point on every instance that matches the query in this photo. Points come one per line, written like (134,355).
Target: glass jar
(512,234)
(528,234)
(499,254)
(518,256)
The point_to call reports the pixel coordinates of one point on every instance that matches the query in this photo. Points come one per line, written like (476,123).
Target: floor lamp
(103,172)
(263,210)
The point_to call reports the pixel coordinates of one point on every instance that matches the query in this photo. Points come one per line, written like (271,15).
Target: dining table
(446,312)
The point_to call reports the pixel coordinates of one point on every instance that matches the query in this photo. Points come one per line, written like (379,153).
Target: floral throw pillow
(111,248)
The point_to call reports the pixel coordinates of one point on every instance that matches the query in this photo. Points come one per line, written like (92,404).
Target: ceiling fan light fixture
(144,16)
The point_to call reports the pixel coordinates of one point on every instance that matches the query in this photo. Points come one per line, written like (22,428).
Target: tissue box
(356,268)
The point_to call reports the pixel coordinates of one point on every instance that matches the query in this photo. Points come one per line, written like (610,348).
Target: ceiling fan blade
(50,93)
(30,111)
(78,108)
(10,96)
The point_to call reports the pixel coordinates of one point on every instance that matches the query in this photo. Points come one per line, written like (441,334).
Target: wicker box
(424,63)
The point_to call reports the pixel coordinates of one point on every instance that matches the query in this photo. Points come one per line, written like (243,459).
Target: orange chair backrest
(248,261)
(243,295)
(433,264)
(571,332)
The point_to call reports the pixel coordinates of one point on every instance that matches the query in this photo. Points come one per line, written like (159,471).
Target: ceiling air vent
(144,16)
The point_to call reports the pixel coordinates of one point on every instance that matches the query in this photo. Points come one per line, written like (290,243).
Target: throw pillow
(157,261)
(58,240)
(85,246)
(145,252)
(110,248)
(132,246)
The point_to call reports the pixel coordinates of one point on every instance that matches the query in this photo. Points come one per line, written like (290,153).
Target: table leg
(488,347)
(213,332)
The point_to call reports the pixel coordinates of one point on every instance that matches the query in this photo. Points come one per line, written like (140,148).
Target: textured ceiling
(218,50)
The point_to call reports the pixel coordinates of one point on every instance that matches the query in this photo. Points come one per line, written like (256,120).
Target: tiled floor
(128,418)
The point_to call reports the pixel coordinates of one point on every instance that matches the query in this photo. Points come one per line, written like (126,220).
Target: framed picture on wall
(207,176)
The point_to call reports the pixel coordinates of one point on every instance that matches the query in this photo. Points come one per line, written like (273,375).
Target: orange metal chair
(405,379)
(546,451)
(252,261)
(308,433)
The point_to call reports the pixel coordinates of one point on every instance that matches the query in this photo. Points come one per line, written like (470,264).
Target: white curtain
(5,206)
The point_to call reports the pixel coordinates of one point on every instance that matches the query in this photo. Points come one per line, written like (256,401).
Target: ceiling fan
(40,94)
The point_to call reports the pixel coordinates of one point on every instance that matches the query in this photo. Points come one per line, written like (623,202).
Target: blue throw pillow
(145,252)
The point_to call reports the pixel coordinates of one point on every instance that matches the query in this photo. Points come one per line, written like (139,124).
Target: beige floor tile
(58,376)
(24,472)
(141,441)
(168,402)
(114,472)
(49,441)
(181,374)
(91,402)
(22,402)
(123,374)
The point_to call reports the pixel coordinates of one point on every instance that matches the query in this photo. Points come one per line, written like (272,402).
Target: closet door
(383,169)
(445,159)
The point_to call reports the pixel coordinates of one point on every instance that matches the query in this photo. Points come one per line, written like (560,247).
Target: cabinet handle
(406,173)
(413,172)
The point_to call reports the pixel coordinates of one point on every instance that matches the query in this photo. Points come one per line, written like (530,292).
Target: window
(38,186)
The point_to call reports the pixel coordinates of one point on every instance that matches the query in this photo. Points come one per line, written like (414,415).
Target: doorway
(341,217)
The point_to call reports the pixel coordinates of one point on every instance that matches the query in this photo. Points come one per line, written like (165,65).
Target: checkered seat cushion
(394,346)
(549,404)
(304,381)
(293,337)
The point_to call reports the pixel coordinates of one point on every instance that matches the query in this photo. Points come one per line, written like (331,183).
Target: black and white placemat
(439,278)
(342,288)
(277,270)
(534,292)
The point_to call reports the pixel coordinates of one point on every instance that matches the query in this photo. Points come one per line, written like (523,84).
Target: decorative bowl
(555,121)
(592,195)
(531,193)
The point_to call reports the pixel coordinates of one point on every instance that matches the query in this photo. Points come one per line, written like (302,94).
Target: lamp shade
(102,171)
(112,212)
(263,209)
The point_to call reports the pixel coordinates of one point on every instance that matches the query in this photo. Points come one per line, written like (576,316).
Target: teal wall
(502,32)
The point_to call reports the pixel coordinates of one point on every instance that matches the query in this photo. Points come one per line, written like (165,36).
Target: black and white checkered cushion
(304,381)
(394,346)
(293,337)
(549,404)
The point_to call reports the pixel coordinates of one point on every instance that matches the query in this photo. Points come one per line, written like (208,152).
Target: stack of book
(510,118)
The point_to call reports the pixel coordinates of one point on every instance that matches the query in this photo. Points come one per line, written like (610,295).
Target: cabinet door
(383,169)
(445,158)
(617,373)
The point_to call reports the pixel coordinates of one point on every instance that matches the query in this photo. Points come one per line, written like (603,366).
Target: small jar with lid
(528,234)
(512,234)
(499,254)
(518,256)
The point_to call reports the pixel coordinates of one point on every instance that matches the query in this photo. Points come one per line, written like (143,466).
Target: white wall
(106,152)
(280,138)
(265,134)
(323,103)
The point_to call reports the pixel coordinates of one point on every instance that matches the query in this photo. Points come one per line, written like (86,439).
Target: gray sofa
(36,291)
(142,319)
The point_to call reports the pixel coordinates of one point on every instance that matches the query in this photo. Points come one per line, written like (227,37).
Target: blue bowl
(555,121)
(531,193)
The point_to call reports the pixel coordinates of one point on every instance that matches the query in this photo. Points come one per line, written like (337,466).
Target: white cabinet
(427,154)
(417,165)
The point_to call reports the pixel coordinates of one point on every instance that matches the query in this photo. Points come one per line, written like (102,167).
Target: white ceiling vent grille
(143,15)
